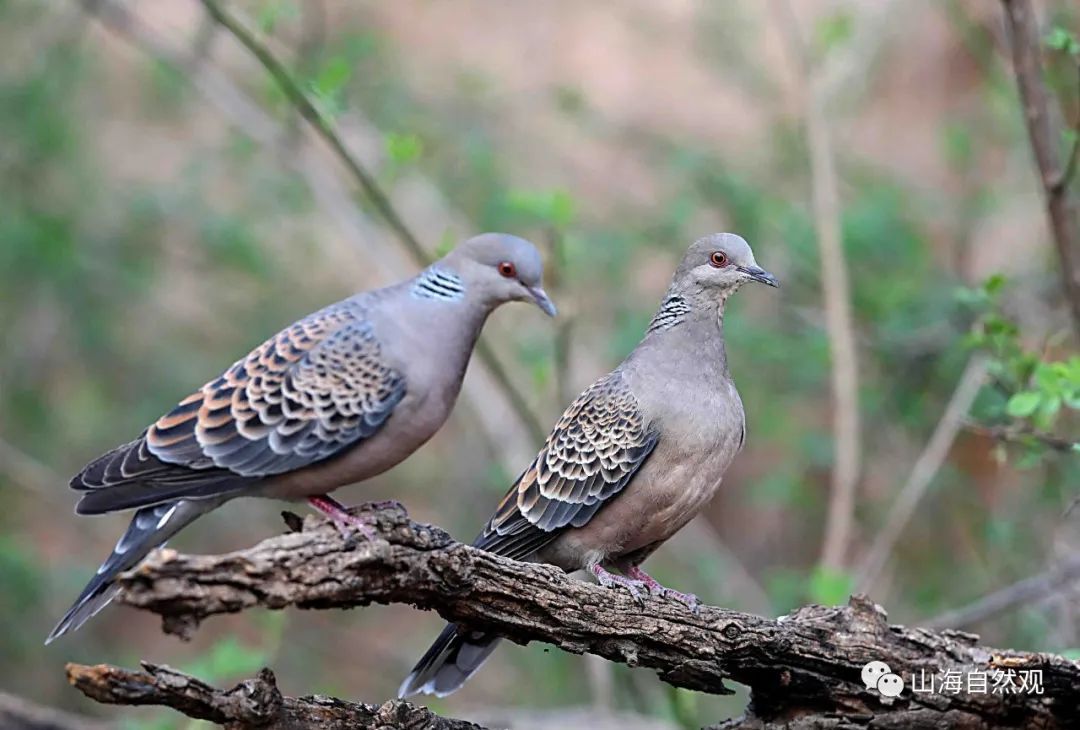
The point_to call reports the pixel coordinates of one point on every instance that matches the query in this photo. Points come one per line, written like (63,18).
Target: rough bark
(803,668)
(253,703)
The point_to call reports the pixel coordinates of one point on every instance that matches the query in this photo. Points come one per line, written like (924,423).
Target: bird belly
(413,422)
(658,502)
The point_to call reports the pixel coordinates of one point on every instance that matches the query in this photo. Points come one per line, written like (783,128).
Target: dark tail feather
(149,528)
(137,495)
(450,661)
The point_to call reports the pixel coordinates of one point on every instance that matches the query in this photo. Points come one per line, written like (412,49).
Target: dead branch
(253,703)
(802,666)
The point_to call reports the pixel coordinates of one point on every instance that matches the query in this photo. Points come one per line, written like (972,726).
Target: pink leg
(636,573)
(609,580)
(339,514)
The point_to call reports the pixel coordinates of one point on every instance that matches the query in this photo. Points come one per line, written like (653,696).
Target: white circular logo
(890,685)
(877,675)
(872,672)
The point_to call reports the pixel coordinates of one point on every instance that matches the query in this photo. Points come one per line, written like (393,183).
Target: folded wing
(599,443)
(310,392)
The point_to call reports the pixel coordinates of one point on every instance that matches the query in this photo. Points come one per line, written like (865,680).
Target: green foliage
(830,587)
(271,13)
(1064,40)
(327,89)
(227,659)
(552,208)
(834,30)
(1035,390)
(403,148)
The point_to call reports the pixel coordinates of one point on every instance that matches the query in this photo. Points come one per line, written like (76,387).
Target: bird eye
(719,259)
(507,269)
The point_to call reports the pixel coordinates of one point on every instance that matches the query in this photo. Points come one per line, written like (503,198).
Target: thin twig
(839,323)
(1023,592)
(324,127)
(1020,434)
(1044,134)
(926,467)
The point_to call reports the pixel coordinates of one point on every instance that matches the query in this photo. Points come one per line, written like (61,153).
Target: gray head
(720,263)
(503,268)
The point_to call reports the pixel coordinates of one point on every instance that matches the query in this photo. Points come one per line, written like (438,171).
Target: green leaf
(1048,411)
(834,30)
(333,76)
(1023,404)
(1062,39)
(403,148)
(994,284)
(830,587)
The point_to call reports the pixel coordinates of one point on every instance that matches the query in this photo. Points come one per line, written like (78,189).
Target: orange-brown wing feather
(305,394)
(592,453)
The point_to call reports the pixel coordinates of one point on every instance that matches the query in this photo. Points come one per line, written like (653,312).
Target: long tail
(149,528)
(450,661)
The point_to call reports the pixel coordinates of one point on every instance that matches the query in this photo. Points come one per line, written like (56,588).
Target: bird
(335,398)
(637,455)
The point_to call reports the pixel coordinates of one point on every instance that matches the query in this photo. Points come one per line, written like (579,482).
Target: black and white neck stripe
(440,284)
(673,310)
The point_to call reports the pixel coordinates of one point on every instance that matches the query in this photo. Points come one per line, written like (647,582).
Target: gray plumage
(632,460)
(338,397)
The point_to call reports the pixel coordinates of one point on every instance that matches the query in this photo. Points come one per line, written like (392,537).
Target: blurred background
(910,391)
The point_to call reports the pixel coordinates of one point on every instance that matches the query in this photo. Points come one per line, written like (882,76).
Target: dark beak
(543,300)
(759,274)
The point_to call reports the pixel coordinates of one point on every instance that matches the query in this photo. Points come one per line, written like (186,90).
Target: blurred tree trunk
(1045,134)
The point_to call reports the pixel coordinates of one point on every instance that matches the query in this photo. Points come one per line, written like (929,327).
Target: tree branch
(1044,134)
(1021,593)
(805,665)
(325,129)
(1019,433)
(253,703)
(922,474)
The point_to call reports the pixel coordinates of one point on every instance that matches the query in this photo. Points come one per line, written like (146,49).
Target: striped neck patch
(440,284)
(673,310)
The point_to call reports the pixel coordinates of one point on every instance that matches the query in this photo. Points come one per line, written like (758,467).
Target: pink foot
(636,573)
(346,522)
(610,580)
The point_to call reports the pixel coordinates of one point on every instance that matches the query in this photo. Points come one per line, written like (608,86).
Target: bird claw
(345,521)
(387,504)
(657,589)
(610,580)
(688,599)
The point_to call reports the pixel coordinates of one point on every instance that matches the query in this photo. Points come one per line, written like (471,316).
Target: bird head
(720,263)
(503,268)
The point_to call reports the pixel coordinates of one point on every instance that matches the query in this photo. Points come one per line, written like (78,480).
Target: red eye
(507,269)
(718,259)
